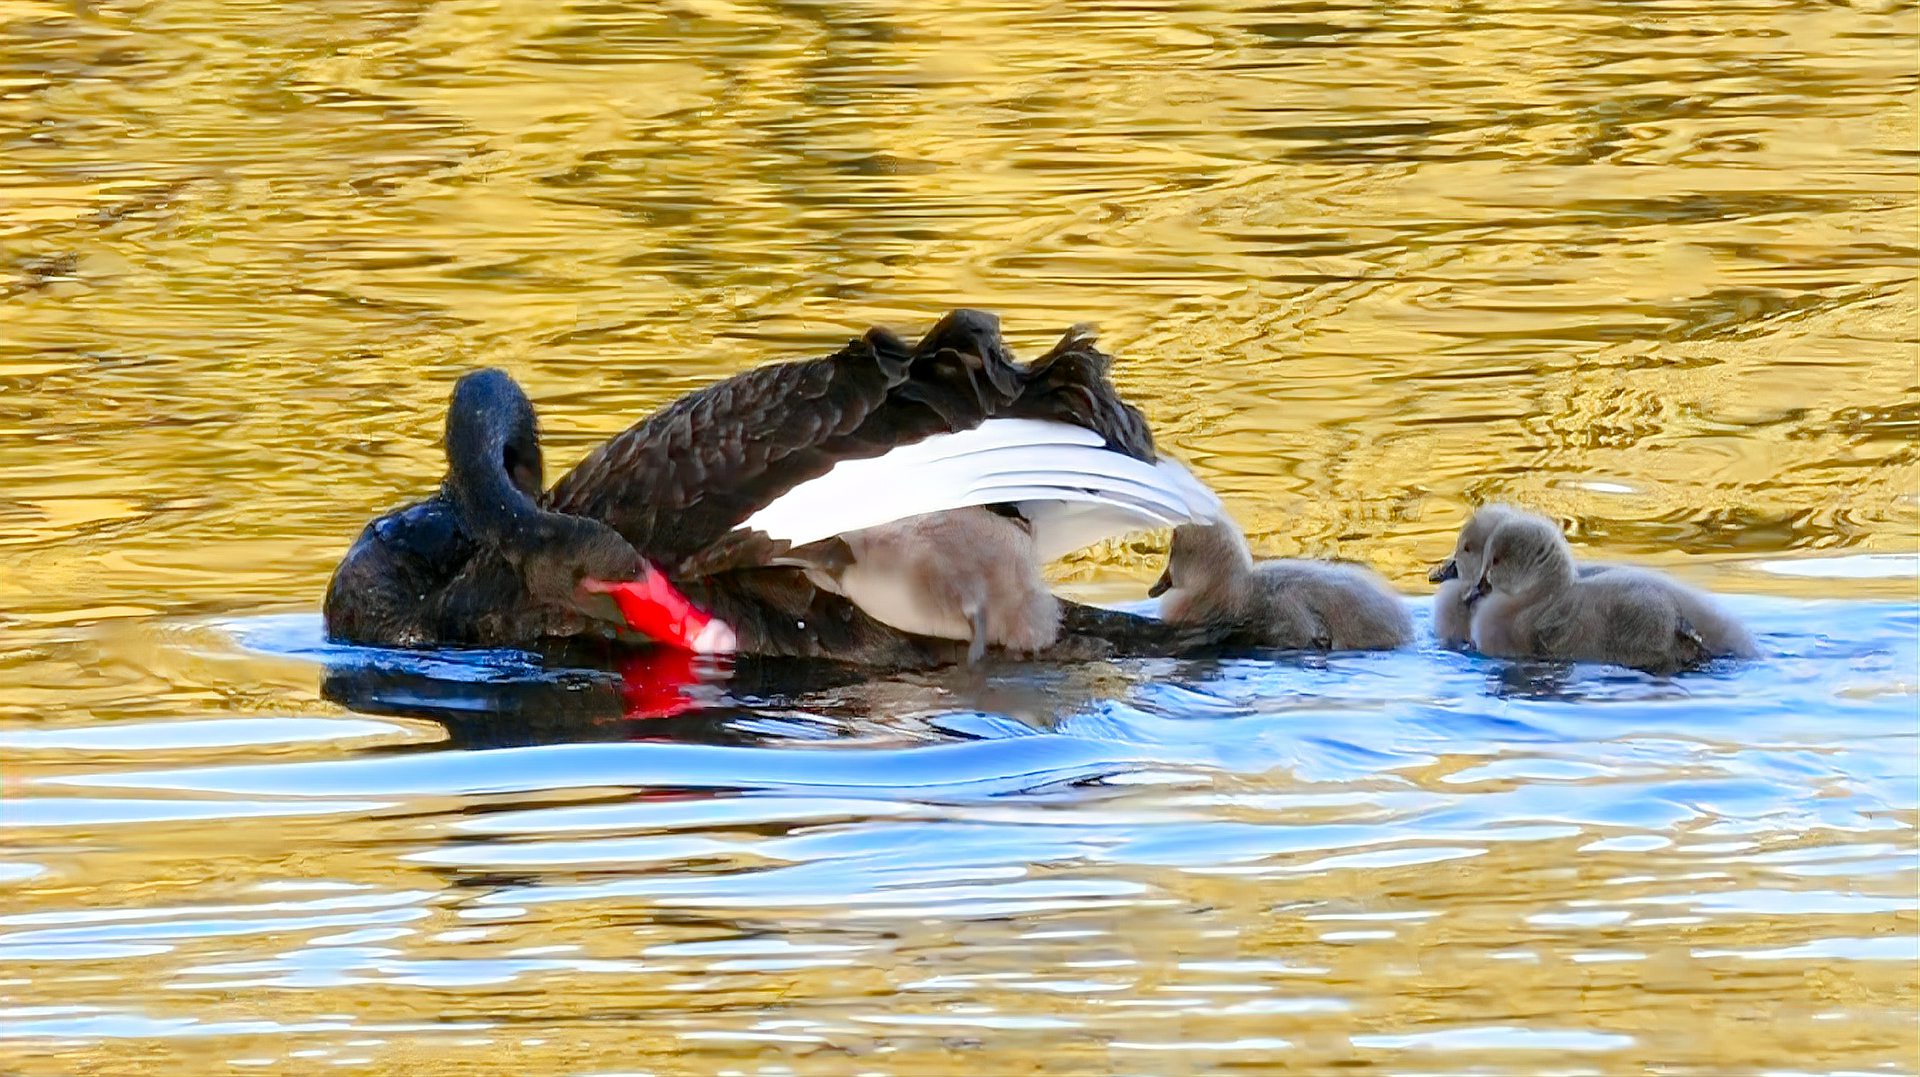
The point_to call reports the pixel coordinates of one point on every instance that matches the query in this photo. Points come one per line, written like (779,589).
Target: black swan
(728,519)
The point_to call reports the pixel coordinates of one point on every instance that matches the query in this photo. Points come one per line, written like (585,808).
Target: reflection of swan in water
(597,692)
(578,695)
(915,736)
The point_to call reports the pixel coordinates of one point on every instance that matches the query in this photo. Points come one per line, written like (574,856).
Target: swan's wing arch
(680,484)
(1062,477)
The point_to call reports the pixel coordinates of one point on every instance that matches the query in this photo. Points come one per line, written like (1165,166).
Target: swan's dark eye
(1467,548)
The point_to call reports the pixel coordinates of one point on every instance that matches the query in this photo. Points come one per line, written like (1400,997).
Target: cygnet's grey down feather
(1531,602)
(967,574)
(1452,609)
(1212,578)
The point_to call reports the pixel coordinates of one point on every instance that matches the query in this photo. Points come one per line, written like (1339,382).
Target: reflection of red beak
(657,610)
(653,682)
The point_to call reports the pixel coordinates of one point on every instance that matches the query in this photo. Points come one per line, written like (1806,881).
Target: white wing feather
(1063,477)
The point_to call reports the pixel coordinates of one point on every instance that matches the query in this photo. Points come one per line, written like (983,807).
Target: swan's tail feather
(1069,384)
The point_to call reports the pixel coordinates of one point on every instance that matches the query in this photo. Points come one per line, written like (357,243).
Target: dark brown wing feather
(680,479)
(1069,384)
(677,484)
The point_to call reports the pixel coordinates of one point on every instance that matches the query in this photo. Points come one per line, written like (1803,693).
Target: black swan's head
(494,479)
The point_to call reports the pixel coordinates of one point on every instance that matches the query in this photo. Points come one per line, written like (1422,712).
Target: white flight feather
(1063,477)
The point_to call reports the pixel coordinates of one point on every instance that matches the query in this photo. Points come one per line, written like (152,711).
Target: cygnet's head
(1470,548)
(1526,556)
(1206,561)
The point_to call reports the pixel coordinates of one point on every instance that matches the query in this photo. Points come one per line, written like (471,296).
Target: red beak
(657,610)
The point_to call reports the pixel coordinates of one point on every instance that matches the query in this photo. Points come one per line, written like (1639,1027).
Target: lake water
(1650,268)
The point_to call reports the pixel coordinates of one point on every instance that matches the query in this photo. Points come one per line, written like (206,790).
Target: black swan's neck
(494,468)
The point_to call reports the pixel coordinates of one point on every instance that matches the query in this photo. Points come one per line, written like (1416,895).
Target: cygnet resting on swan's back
(963,574)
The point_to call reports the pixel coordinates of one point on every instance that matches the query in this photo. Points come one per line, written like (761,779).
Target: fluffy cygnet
(1530,601)
(970,574)
(1452,609)
(1452,612)
(1211,577)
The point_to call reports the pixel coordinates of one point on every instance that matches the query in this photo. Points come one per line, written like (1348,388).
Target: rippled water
(1649,267)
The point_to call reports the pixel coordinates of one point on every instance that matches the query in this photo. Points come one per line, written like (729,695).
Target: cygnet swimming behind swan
(1211,577)
(1530,602)
(969,574)
(1452,608)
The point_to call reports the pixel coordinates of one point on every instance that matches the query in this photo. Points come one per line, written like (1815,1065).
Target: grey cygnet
(1211,577)
(1530,601)
(967,574)
(1452,609)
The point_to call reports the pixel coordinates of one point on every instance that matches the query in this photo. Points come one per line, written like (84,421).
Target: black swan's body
(734,490)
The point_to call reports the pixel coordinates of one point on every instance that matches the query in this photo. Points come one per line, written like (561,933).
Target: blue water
(1280,835)
(1819,730)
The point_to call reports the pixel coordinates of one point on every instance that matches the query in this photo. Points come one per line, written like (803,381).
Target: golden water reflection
(1650,267)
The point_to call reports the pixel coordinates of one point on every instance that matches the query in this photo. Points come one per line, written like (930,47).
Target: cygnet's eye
(1468,548)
